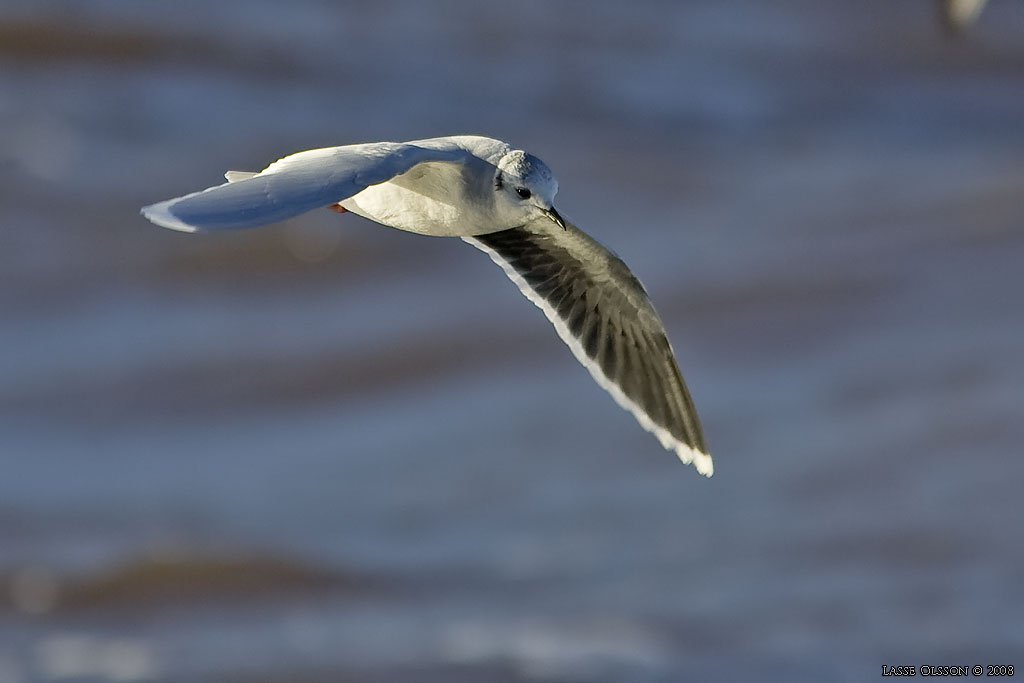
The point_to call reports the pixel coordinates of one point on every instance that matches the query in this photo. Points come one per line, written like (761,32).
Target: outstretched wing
(602,312)
(291,186)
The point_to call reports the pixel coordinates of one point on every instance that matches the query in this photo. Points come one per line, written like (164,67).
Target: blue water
(824,200)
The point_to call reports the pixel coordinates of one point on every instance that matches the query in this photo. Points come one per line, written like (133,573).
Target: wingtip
(699,459)
(160,214)
(686,453)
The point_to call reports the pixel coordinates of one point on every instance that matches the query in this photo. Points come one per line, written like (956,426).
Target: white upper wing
(292,186)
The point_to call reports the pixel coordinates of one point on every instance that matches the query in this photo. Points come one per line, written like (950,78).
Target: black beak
(553,215)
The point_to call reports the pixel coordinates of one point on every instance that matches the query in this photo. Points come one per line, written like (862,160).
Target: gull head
(525,189)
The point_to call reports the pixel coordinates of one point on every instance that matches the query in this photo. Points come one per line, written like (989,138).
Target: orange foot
(338,207)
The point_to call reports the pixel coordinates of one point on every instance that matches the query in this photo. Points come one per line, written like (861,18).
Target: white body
(439,197)
(500,200)
(440,186)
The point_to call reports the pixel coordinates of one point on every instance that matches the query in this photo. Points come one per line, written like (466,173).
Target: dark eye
(523,193)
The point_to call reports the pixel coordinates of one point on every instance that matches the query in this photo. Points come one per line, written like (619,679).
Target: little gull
(500,200)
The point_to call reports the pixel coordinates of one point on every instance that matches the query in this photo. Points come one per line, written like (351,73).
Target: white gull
(500,200)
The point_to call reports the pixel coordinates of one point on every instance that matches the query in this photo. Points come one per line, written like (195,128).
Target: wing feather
(601,311)
(291,186)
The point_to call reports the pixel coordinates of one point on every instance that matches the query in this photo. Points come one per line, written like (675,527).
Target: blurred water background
(325,451)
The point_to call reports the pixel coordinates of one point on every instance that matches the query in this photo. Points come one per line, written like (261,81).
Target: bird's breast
(430,199)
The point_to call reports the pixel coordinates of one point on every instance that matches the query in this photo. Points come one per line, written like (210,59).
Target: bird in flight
(500,200)
(957,15)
